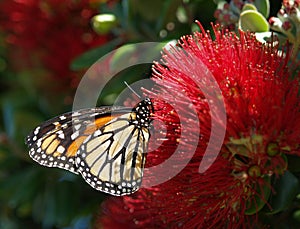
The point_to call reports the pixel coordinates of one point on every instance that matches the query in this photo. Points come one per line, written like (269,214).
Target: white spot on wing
(61,136)
(62,117)
(97,133)
(64,126)
(61,149)
(77,126)
(39,143)
(76,113)
(75,135)
(36,131)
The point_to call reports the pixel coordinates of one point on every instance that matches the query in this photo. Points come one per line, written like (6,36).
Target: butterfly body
(106,145)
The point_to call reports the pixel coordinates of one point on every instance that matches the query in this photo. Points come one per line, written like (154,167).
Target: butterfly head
(142,112)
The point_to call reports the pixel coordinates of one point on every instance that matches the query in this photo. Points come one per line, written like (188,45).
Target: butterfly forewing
(107,146)
(55,142)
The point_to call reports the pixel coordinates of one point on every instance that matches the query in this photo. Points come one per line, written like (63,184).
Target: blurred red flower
(263,125)
(48,34)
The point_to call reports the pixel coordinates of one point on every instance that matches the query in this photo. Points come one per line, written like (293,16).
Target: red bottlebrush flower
(48,34)
(262,125)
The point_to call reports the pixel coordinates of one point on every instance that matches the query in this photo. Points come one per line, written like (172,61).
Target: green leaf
(296,215)
(253,21)
(263,6)
(27,181)
(130,63)
(219,1)
(132,54)
(123,54)
(286,189)
(293,163)
(116,85)
(104,23)
(150,10)
(255,204)
(167,14)
(90,57)
(248,6)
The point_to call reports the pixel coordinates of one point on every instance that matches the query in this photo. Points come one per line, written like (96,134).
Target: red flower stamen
(262,109)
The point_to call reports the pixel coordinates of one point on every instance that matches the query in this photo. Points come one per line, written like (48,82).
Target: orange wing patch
(72,149)
(103,120)
(98,123)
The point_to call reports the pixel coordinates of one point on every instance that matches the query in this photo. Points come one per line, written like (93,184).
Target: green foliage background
(32,196)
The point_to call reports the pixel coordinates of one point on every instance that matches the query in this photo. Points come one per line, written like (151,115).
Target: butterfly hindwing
(112,159)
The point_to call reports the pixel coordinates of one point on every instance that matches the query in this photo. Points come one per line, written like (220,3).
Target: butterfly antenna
(131,89)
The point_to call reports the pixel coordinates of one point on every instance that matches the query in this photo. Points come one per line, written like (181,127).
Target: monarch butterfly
(106,145)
